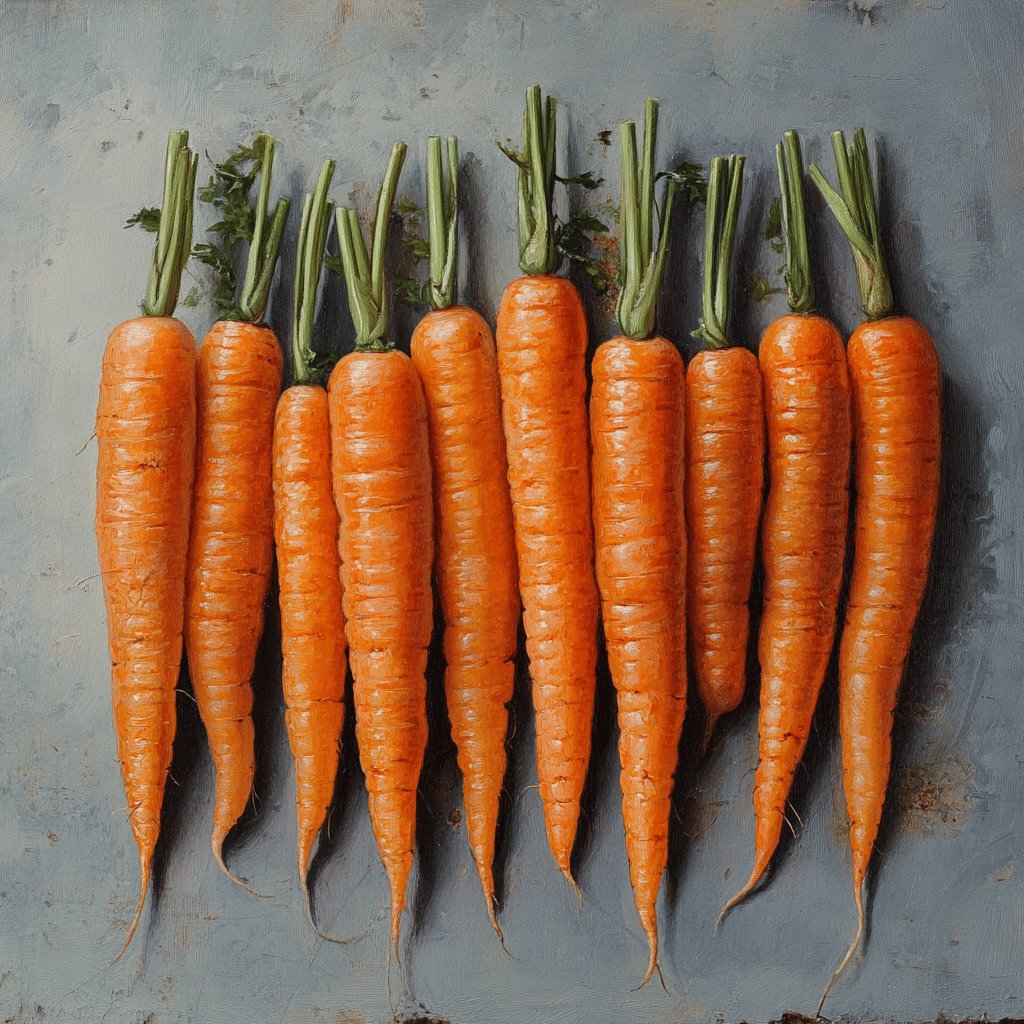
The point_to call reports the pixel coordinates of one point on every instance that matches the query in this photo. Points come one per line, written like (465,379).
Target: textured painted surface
(87,93)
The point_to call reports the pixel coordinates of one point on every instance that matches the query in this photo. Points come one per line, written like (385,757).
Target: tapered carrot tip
(858,895)
(752,881)
(709,728)
(320,934)
(652,961)
(567,874)
(217,845)
(145,873)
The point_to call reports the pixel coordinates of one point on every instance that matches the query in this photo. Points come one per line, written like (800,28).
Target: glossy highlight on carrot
(895,378)
(453,350)
(724,469)
(637,436)
(807,410)
(542,343)
(145,429)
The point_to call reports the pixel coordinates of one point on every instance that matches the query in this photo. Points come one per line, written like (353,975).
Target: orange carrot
(807,406)
(894,372)
(306,538)
(724,468)
(636,429)
(231,548)
(145,428)
(380,456)
(542,344)
(453,349)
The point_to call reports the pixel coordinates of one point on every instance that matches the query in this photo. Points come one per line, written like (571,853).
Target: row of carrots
(478,462)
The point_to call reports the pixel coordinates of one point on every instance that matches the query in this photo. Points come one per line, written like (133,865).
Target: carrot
(231,548)
(306,539)
(724,468)
(380,457)
(145,428)
(453,349)
(807,408)
(894,372)
(636,430)
(542,344)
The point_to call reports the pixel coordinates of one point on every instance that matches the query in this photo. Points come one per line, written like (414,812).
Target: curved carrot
(807,407)
(231,547)
(636,429)
(894,372)
(380,456)
(145,429)
(453,349)
(542,344)
(308,571)
(724,469)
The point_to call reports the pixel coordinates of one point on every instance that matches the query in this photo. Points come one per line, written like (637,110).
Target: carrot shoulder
(454,351)
(145,429)
(807,409)
(542,343)
(231,548)
(895,379)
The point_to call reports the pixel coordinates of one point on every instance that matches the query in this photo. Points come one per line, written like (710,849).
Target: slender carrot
(306,538)
(145,428)
(807,407)
(453,349)
(231,549)
(636,429)
(380,455)
(724,468)
(542,344)
(894,372)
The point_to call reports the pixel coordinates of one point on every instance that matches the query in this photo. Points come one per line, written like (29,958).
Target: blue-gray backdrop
(87,94)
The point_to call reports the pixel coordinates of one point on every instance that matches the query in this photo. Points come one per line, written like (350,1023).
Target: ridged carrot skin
(145,429)
(231,550)
(724,493)
(895,376)
(380,458)
(454,351)
(637,430)
(807,410)
(542,343)
(312,625)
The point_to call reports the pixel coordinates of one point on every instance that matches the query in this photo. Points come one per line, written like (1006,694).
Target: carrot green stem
(856,209)
(443,218)
(538,251)
(315,224)
(266,238)
(725,188)
(174,234)
(799,286)
(364,271)
(643,266)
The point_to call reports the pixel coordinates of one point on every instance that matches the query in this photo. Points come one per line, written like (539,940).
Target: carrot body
(724,491)
(637,429)
(145,428)
(453,349)
(231,553)
(380,459)
(542,342)
(807,410)
(312,626)
(894,373)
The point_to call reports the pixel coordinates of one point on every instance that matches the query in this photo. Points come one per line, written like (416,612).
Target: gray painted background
(87,94)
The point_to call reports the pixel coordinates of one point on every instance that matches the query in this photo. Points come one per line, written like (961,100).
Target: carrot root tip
(218,854)
(320,934)
(755,878)
(850,953)
(145,871)
(709,729)
(572,884)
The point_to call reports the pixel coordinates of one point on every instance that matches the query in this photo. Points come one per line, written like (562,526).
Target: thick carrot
(306,538)
(231,547)
(542,344)
(453,349)
(380,457)
(894,372)
(636,429)
(724,468)
(145,428)
(807,408)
